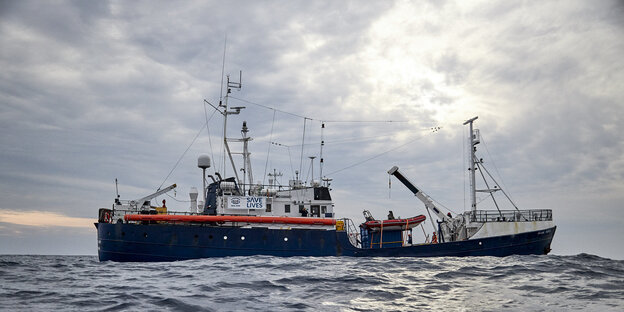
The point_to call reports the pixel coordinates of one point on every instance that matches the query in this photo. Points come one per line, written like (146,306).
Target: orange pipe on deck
(243,219)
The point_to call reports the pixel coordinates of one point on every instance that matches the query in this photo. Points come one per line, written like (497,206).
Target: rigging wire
(348,140)
(496,169)
(221,99)
(441,205)
(266,164)
(308,174)
(376,156)
(317,119)
(268,107)
(302,144)
(292,169)
(178,200)
(222,69)
(208,129)
(502,190)
(189,147)
(488,187)
(179,159)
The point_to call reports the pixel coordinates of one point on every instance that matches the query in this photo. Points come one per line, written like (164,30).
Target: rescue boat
(395,224)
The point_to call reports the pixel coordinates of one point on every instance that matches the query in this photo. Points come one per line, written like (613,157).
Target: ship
(236,217)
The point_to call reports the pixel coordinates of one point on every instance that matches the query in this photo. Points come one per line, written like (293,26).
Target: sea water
(262,283)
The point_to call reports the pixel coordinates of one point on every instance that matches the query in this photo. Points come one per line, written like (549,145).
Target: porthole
(196,236)
(225,237)
(480,243)
(209,236)
(123,233)
(285,239)
(242,237)
(145,235)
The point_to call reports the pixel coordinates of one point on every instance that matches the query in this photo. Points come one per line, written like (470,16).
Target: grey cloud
(90,92)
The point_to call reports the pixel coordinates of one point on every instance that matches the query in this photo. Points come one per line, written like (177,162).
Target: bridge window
(268,207)
(315,211)
(321,193)
(287,208)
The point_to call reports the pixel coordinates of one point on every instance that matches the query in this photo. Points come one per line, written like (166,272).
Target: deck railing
(511,215)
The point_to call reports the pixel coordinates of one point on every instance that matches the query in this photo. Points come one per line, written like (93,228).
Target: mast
(246,158)
(234,111)
(472,165)
(321,155)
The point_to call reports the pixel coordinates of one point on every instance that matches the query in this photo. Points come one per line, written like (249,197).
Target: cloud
(90,92)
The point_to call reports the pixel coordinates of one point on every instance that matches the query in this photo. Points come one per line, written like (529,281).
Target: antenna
(274,176)
(222,71)
(233,84)
(312,168)
(321,155)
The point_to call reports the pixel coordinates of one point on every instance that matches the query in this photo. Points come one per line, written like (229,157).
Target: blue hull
(168,242)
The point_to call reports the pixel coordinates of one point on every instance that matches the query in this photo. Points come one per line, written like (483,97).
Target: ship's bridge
(302,202)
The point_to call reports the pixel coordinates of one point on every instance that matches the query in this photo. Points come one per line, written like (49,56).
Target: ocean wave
(75,283)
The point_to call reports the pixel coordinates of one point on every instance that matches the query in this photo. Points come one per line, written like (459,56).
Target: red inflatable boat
(395,224)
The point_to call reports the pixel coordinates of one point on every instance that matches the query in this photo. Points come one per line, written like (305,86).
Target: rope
(180,201)
(187,149)
(268,107)
(208,129)
(496,169)
(317,119)
(179,159)
(376,156)
(441,205)
(266,164)
(302,145)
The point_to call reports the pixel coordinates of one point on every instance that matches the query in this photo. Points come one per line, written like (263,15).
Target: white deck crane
(420,195)
(144,202)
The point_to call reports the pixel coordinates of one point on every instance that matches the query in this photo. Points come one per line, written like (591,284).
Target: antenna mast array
(234,111)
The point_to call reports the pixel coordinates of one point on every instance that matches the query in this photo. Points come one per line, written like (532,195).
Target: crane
(419,194)
(144,202)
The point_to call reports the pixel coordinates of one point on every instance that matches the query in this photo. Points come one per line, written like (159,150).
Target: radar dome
(203,161)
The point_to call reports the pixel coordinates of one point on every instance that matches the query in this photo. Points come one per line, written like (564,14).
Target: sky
(93,91)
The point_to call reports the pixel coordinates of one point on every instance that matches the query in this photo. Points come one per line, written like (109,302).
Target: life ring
(107,217)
